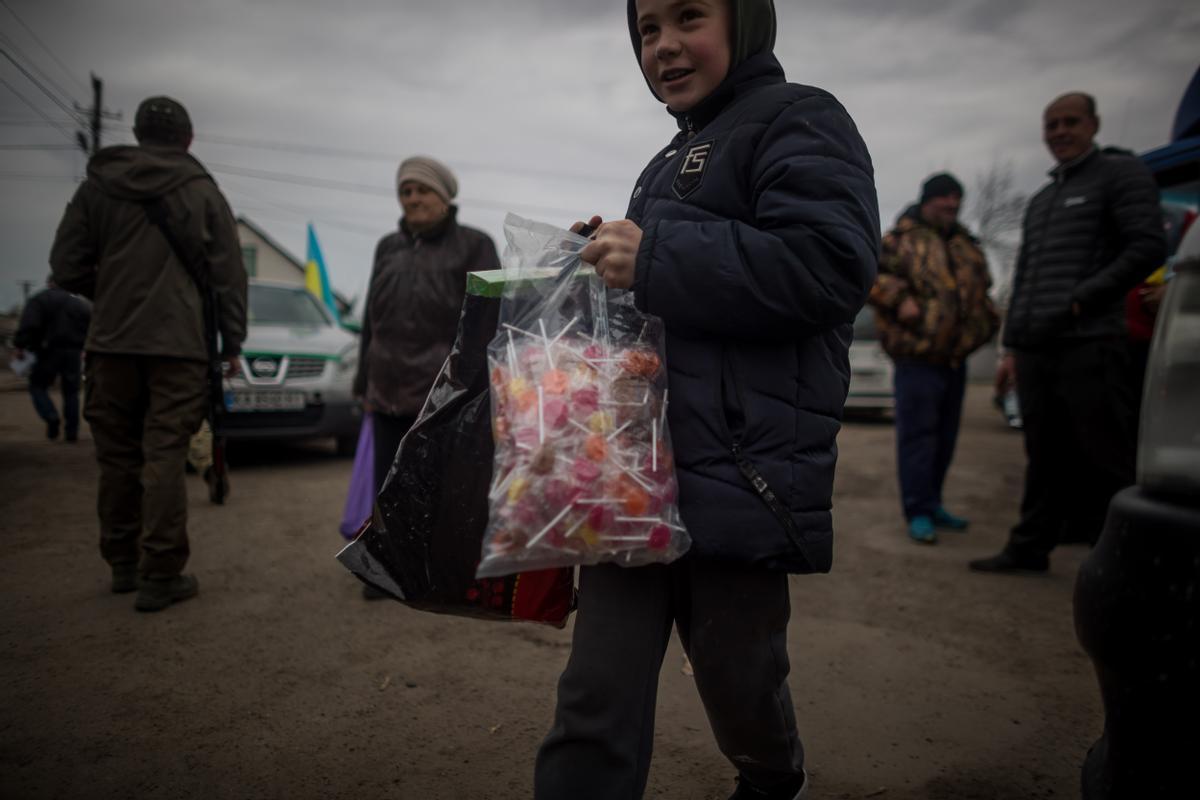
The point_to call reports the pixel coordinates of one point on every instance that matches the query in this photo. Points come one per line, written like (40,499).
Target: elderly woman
(413,302)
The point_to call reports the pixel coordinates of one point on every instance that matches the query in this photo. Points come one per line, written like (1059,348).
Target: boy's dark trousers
(142,411)
(733,624)
(929,400)
(65,365)
(1077,408)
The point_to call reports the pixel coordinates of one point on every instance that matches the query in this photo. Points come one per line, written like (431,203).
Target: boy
(754,235)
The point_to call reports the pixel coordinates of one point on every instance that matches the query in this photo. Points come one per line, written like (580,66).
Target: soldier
(147,358)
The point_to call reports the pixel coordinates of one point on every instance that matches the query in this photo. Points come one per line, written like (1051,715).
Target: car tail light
(1169,445)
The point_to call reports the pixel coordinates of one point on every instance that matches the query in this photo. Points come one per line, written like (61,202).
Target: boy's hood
(753,31)
(133,172)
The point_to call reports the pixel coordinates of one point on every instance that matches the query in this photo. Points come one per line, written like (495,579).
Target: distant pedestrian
(147,357)
(53,328)
(418,282)
(1091,235)
(933,309)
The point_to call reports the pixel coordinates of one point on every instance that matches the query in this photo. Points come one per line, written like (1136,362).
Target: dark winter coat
(53,319)
(106,249)
(760,243)
(411,315)
(1091,235)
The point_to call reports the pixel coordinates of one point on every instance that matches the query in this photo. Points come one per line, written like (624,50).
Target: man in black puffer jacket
(1091,235)
(754,235)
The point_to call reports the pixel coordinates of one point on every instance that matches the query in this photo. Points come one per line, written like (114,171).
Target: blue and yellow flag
(316,279)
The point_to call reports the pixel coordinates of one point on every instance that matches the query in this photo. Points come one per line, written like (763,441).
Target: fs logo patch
(691,171)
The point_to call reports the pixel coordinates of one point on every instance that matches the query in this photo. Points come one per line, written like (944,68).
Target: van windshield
(279,305)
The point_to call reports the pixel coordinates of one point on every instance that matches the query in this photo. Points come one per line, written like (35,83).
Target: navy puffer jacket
(761,240)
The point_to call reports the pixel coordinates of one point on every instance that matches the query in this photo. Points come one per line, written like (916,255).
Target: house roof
(287,255)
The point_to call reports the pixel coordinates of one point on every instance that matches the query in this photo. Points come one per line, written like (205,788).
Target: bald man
(1090,235)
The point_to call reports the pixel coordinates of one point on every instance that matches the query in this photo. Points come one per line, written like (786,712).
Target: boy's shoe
(1006,562)
(52,429)
(944,519)
(124,578)
(71,436)
(795,789)
(155,595)
(920,529)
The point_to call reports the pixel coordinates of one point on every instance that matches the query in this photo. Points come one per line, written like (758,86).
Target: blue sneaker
(921,530)
(944,519)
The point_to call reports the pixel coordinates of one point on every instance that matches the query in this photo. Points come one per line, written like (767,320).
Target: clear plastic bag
(583,470)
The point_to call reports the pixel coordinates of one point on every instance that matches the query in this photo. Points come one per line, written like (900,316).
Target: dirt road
(912,677)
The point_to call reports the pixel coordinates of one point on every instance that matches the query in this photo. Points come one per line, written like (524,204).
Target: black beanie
(162,120)
(940,185)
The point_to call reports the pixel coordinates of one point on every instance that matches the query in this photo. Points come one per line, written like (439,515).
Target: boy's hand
(593,223)
(613,252)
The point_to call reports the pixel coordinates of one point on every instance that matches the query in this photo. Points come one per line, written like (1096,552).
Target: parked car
(871,369)
(297,371)
(1137,596)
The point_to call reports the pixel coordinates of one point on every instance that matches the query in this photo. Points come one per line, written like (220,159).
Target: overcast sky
(538,105)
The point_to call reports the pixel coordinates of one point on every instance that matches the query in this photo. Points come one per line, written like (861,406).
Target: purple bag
(360,500)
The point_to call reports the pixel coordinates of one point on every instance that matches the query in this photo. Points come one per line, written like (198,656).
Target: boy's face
(685,48)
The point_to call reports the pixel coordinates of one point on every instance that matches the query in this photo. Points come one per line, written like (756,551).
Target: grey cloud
(515,93)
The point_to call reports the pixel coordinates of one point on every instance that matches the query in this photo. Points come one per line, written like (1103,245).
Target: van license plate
(267,401)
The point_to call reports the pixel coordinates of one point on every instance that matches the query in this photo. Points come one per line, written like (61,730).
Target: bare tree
(996,210)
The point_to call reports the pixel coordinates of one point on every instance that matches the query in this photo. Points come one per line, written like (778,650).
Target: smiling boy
(754,235)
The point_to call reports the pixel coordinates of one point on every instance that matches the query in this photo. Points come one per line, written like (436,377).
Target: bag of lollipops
(583,470)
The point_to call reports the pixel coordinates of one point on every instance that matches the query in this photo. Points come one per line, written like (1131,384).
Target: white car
(871,370)
(297,374)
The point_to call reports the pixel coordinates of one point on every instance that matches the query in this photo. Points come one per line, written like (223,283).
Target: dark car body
(1137,596)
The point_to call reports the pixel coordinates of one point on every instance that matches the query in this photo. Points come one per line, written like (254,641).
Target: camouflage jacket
(948,278)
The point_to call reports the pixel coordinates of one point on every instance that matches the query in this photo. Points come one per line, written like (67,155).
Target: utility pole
(25,287)
(97,115)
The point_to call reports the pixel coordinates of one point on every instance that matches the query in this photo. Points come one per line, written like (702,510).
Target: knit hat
(941,185)
(163,120)
(429,172)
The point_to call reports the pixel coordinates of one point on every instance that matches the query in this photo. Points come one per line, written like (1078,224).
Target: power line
(70,111)
(28,176)
(36,147)
(49,52)
(38,111)
(370,155)
(32,123)
(281,216)
(33,65)
(390,158)
(363,188)
(321,215)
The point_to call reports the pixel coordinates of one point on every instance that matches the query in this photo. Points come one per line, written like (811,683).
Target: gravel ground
(912,677)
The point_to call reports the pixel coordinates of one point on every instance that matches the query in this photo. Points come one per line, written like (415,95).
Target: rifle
(193,261)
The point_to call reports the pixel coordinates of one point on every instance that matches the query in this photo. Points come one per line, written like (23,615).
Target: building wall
(264,261)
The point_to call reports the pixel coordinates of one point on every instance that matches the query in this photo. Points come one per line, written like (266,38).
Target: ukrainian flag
(316,279)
